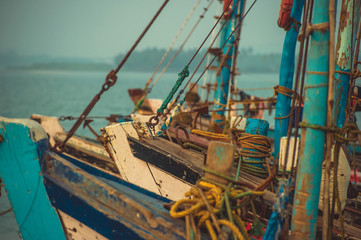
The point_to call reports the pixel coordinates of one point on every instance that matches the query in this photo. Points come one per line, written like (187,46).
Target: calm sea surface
(61,93)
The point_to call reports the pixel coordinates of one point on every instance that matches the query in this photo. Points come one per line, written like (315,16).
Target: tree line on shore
(145,60)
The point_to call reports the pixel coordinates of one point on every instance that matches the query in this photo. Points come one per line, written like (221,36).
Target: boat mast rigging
(110,80)
(154,120)
(214,58)
(149,85)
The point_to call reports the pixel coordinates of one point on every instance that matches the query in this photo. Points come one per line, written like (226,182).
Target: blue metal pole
(307,191)
(286,75)
(221,94)
(344,47)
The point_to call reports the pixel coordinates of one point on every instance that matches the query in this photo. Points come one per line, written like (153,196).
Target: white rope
(175,38)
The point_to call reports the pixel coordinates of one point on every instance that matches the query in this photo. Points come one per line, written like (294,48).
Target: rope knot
(350,130)
(283,90)
(310,28)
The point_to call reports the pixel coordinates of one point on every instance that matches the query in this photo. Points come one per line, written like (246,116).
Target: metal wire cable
(238,25)
(173,41)
(183,44)
(204,41)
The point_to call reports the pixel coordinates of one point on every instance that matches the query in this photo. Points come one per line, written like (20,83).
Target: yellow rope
(197,207)
(256,142)
(233,227)
(210,134)
(211,230)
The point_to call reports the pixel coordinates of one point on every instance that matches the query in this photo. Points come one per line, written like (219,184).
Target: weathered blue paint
(344,46)
(96,172)
(221,94)
(286,76)
(271,134)
(220,153)
(23,142)
(307,191)
(106,204)
(256,127)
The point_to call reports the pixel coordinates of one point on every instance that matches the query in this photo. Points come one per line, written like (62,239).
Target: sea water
(67,93)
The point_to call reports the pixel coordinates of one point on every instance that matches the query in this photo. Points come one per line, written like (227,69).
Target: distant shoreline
(145,60)
(95,67)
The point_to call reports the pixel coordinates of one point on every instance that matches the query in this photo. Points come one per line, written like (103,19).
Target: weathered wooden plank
(111,207)
(89,151)
(195,161)
(138,171)
(220,159)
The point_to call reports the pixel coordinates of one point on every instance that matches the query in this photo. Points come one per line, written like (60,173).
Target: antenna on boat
(110,80)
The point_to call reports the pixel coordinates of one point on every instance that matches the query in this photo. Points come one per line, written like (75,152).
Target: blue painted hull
(103,202)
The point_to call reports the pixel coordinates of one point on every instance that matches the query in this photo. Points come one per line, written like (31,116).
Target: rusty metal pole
(307,191)
(344,46)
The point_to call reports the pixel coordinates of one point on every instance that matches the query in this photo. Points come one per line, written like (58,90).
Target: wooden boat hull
(84,199)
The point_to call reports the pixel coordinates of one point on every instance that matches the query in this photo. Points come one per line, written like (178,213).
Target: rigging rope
(235,29)
(147,88)
(182,75)
(156,118)
(172,43)
(209,56)
(183,44)
(204,41)
(110,80)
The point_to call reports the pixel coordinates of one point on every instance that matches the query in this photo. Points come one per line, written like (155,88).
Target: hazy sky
(102,29)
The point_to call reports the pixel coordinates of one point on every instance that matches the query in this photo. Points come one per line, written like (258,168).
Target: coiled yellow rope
(257,142)
(217,198)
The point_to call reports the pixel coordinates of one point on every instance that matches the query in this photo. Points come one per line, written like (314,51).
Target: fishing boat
(135,189)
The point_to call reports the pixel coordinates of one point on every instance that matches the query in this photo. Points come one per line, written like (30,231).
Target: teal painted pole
(307,190)
(22,143)
(344,46)
(224,77)
(286,75)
